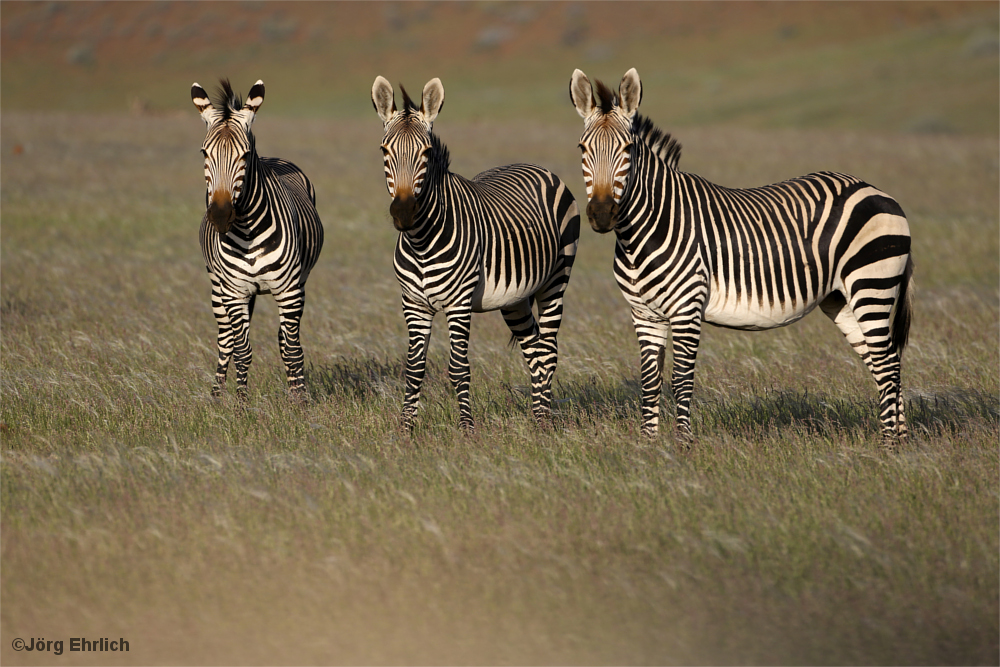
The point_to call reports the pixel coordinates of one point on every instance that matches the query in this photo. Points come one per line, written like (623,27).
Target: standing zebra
(260,234)
(501,240)
(688,250)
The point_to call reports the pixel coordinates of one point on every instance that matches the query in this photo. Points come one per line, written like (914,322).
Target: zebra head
(228,147)
(406,145)
(606,143)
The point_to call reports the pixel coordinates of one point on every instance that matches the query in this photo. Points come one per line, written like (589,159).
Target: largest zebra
(260,234)
(690,251)
(499,241)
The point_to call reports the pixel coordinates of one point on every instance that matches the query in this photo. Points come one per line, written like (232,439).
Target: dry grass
(133,505)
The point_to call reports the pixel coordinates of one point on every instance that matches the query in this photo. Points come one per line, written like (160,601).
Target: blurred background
(886,66)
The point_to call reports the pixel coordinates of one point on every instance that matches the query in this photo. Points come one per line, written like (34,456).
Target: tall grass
(135,505)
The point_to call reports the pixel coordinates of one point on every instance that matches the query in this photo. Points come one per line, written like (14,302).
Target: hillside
(925,67)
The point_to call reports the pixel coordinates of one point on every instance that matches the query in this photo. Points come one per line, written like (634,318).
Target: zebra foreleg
(418,327)
(224,339)
(652,341)
(290,307)
(459,327)
(238,313)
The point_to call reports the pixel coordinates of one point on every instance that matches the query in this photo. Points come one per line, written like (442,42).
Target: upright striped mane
(225,101)
(440,158)
(660,142)
(607,97)
(408,104)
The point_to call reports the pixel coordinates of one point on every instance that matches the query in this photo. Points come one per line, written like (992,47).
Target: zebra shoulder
(293,178)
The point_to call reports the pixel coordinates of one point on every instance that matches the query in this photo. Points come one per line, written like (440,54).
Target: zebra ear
(581,93)
(630,92)
(433,100)
(383,99)
(256,97)
(202,103)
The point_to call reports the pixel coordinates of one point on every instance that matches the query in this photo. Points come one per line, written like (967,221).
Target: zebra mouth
(602,214)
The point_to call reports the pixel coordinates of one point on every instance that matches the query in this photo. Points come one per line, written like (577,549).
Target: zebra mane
(407,102)
(226,101)
(440,158)
(607,97)
(661,143)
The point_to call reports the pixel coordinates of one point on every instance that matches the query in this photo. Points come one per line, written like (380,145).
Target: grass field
(133,505)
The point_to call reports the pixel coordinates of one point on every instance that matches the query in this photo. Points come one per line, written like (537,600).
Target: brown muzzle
(221,212)
(602,212)
(403,210)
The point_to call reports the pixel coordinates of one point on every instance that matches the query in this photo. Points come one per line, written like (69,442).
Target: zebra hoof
(892,441)
(216,391)
(543,420)
(467,427)
(405,424)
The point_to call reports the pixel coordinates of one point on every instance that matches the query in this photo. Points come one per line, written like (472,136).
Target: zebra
(689,251)
(260,234)
(502,240)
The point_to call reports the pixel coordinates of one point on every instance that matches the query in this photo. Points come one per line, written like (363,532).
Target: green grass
(135,506)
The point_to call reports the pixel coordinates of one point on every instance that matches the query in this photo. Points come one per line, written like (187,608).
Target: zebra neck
(434,224)
(645,202)
(248,206)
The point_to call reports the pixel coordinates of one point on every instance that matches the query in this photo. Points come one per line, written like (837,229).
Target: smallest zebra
(260,234)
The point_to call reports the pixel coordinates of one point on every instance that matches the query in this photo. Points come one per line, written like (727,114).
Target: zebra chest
(261,264)
(656,286)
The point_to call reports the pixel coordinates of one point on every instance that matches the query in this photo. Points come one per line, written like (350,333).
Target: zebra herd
(688,251)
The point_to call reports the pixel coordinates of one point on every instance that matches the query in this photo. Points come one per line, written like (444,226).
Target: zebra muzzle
(403,211)
(602,214)
(221,214)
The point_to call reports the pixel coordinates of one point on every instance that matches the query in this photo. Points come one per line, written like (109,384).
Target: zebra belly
(752,315)
(491,295)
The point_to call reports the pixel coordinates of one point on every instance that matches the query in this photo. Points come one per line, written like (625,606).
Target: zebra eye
(583,148)
(204,153)
(385,151)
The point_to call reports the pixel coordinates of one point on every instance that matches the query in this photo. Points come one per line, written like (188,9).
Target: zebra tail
(904,310)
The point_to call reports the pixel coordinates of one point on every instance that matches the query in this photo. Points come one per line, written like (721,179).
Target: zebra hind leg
(685,336)
(540,353)
(873,346)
